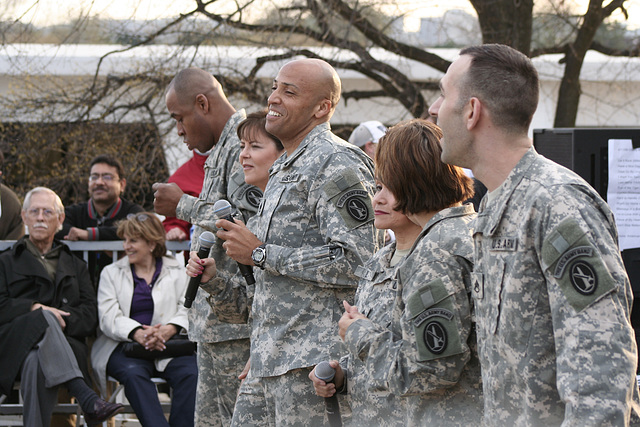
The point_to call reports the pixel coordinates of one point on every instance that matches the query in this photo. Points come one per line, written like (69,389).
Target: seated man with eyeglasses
(96,219)
(47,310)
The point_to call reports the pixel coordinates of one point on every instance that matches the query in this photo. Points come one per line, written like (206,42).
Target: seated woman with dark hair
(140,299)
(412,352)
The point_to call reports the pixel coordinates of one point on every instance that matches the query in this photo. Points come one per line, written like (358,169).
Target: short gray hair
(57,201)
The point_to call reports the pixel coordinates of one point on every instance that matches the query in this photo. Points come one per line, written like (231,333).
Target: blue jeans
(135,374)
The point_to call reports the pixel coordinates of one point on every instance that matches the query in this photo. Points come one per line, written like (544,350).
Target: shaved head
(196,101)
(321,75)
(193,81)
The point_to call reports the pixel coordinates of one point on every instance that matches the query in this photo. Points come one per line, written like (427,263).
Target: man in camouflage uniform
(551,295)
(206,120)
(317,222)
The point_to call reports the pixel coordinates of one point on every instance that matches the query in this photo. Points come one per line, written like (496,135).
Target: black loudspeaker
(586,152)
(583,150)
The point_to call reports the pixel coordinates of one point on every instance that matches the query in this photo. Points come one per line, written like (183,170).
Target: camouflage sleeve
(329,265)
(185,208)
(590,298)
(199,210)
(228,296)
(425,347)
(349,238)
(345,362)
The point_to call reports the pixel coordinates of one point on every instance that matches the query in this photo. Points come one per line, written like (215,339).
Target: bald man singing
(206,120)
(312,230)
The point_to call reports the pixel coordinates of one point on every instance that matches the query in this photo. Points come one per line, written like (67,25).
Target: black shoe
(102,411)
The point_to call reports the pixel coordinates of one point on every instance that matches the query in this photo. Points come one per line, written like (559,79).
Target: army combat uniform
(375,298)
(317,221)
(223,348)
(552,302)
(417,346)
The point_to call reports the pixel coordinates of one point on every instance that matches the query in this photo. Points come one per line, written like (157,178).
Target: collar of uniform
(232,124)
(227,139)
(489,217)
(378,266)
(319,129)
(452,212)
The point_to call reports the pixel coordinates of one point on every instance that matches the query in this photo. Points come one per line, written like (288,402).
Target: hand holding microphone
(206,240)
(222,210)
(326,373)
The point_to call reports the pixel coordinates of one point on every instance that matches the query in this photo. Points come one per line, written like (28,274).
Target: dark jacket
(23,282)
(84,216)
(11,225)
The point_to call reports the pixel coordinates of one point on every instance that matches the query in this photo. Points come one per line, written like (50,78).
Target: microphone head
(325,372)
(206,239)
(221,209)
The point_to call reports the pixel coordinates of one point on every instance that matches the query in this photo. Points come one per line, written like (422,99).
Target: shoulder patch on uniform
(434,319)
(583,277)
(435,337)
(344,198)
(357,208)
(570,255)
(571,259)
(350,197)
(253,196)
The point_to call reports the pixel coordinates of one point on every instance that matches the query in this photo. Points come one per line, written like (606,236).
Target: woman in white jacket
(140,299)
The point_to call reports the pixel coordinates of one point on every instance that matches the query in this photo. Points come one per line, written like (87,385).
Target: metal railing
(114,246)
(11,413)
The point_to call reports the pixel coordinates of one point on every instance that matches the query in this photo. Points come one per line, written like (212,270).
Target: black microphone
(222,210)
(206,240)
(325,372)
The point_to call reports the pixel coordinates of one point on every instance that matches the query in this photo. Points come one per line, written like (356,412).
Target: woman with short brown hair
(413,358)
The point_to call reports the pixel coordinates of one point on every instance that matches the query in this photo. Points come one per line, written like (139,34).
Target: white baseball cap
(367,131)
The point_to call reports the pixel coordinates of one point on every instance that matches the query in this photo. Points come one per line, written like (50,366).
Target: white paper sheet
(623,194)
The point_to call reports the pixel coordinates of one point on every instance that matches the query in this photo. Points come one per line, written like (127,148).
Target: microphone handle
(245,270)
(194,282)
(333,411)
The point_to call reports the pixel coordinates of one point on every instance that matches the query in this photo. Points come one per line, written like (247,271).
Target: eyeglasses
(106,177)
(142,217)
(46,213)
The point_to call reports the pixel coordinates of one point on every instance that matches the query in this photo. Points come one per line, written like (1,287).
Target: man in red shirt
(189,178)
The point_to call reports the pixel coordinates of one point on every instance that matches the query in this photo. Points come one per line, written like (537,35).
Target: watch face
(258,255)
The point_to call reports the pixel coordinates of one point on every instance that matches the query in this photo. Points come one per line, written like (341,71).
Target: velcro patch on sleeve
(350,198)
(433,315)
(576,265)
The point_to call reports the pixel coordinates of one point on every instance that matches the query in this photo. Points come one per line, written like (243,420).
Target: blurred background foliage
(57,155)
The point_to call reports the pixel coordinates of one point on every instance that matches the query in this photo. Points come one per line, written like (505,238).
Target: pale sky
(55,11)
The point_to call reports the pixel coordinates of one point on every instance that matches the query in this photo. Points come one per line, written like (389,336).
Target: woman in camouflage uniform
(412,353)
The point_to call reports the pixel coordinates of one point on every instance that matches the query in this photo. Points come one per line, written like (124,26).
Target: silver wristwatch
(259,255)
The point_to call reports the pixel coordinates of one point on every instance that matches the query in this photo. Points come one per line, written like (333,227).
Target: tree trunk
(506,21)
(569,93)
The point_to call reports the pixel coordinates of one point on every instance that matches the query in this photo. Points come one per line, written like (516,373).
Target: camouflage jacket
(422,348)
(552,302)
(375,298)
(231,297)
(317,220)
(223,179)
